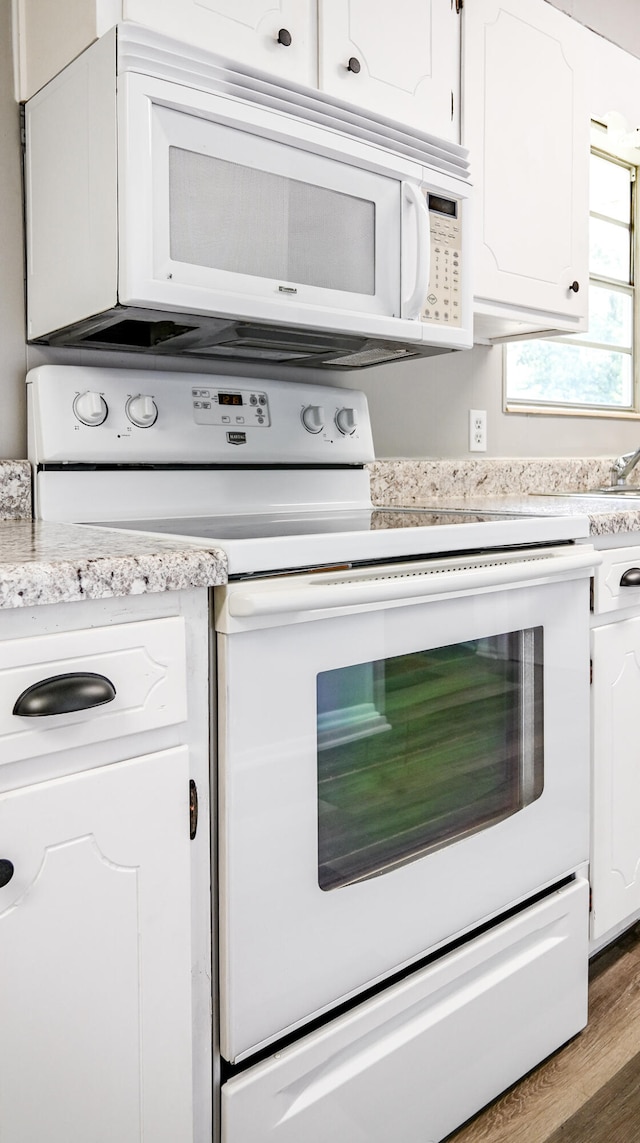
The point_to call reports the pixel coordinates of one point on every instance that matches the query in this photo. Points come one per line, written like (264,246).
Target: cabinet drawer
(144,662)
(610,593)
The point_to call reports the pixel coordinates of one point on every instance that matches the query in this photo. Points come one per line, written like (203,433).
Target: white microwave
(176,206)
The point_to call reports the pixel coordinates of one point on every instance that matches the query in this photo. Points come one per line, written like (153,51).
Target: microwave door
(258,228)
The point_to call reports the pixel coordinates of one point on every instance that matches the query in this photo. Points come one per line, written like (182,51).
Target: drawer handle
(630,578)
(6,871)
(62,694)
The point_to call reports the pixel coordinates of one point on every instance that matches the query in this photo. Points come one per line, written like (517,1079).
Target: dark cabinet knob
(354,65)
(575,286)
(61,694)
(284,37)
(6,871)
(630,578)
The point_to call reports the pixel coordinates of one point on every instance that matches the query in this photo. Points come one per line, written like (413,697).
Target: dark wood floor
(589,1091)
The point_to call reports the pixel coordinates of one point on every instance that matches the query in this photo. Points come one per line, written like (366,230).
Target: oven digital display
(230,399)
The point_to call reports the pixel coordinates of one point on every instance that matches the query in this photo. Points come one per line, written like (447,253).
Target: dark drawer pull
(6,871)
(630,578)
(61,694)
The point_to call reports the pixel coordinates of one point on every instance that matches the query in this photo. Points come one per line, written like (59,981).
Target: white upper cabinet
(277,36)
(526,121)
(401,62)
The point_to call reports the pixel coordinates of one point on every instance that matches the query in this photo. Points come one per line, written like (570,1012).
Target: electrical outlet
(477,430)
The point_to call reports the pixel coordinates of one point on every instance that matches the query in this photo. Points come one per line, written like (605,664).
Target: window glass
(610,317)
(609,188)
(609,250)
(566,374)
(419,750)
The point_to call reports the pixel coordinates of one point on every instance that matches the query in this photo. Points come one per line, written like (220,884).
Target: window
(594,370)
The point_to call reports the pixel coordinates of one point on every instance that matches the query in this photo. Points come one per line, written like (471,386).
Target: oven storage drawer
(143,662)
(416,1061)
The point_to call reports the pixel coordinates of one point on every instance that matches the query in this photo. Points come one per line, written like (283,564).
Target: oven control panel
(81,414)
(230,407)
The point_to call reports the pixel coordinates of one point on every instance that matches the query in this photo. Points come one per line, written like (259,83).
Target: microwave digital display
(443,205)
(230,399)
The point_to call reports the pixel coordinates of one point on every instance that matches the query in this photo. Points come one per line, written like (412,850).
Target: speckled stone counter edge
(15,490)
(406,481)
(51,562)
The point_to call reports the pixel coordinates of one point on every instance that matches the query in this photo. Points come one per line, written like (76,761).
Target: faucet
(623,466)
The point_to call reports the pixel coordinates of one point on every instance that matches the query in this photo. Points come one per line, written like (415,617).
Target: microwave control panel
(443,305)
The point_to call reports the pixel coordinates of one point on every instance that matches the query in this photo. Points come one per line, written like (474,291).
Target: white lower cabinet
(95,988)
(412,1064)
(615,847)
(105,957)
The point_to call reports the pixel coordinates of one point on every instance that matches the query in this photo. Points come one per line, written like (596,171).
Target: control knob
(313,418)
(90,408)
(142,411)
(346,421)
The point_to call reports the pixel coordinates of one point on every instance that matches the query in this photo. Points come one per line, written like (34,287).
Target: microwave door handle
(412,306)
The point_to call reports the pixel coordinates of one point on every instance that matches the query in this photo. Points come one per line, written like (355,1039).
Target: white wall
(617,20)
(418,408)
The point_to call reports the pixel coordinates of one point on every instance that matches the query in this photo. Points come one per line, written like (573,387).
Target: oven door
(403,754)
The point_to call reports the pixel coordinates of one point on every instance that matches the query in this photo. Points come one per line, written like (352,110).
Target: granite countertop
(532,486)
(55,563)
(62,563)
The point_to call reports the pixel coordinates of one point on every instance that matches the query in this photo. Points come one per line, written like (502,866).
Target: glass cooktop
(245,526)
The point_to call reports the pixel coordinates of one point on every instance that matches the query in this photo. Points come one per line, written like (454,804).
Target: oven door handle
(315,595)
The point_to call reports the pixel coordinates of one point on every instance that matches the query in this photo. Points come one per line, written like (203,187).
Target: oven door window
(420,750)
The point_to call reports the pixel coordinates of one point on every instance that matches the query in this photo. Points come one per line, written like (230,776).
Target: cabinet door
(95,990)
(526,122)
(407,56)
(278,36)
(615,846)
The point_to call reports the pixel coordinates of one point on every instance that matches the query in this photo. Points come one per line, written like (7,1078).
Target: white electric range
(401,757)
(272,472)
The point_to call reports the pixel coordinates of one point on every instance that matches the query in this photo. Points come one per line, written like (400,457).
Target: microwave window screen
(418,751)
(243,220)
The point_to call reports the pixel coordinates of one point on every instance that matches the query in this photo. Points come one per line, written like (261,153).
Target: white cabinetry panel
(244,30)
(615,856)
(408,57)
(407,52)
(95,989)
(526,122)
(145,662)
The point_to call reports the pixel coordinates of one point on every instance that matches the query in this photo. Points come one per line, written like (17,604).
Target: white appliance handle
(412,307)
(316,596)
